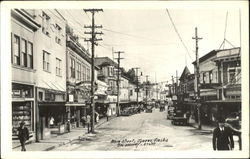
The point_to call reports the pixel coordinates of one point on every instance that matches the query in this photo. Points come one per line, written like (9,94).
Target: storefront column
(37,116)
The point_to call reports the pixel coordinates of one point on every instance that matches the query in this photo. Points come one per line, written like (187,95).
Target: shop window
(72,67)
(45,23)
(46,62)
(22,91)
(21,111)
(16,49)
(58,67)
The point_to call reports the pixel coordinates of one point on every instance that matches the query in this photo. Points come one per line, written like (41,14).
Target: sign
(174,97)
(71,98)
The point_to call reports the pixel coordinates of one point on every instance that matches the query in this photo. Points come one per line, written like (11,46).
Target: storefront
(52,113)
(23,108)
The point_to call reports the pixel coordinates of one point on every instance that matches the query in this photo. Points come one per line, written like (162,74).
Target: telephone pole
(146,90)
(118,81)
(93,40)
(137,85)
(197,77)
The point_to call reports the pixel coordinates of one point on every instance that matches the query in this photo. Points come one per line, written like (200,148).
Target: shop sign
(71,98)
(16,93)
(174,97)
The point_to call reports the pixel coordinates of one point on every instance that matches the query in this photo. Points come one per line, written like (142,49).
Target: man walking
(23,135)
(222,137)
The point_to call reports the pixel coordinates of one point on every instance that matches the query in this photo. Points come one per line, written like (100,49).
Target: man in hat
(222,137)
(23,135)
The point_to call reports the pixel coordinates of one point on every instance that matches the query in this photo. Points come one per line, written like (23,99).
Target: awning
(51,103)
(75,105)
(223,101)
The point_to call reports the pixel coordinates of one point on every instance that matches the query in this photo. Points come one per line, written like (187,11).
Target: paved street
(144,131)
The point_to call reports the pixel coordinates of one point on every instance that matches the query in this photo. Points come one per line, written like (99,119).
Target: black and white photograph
(125,79)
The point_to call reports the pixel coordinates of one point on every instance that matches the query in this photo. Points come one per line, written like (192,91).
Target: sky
(149,40)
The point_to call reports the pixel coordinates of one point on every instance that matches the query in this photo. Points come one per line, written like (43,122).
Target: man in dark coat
(222,137)
(23,135)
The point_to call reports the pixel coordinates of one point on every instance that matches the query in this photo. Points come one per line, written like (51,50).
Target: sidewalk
(58,140)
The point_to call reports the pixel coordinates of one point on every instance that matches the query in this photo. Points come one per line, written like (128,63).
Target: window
(72,67)
(24,52)
(58,34)
(234,75)
(58,67)
(88,74)
(46,61)
(78,71)
(84,73)
(30,55)
(16,49)
(210,77)
(131,92)
(45,23)
(204,77)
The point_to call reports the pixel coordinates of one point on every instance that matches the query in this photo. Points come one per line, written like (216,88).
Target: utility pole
(118,81)
(146,90)
(137,85)
(173,85)
(176,87)
(93,43)
(197,77)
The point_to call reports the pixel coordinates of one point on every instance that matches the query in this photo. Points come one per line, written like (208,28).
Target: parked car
(179,117)
(126,112)
(149,107)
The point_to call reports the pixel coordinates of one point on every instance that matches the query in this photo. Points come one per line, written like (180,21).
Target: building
(124,92)
(220,85)
(107,75)
(50,71)
(24,67)
(78,75)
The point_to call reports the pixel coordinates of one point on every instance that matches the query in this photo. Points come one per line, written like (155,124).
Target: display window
(22,111)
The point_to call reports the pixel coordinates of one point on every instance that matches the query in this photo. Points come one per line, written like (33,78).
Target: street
(141,132)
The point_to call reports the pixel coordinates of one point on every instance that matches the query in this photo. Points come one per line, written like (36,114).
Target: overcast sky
(149,40)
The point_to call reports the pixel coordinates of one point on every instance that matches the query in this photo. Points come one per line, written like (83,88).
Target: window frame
(58,67)
(72,68)
(16,58)
(46,61)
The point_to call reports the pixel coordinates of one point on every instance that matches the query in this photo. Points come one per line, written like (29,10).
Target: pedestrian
(97,117)
(83,121)
(108,114)
(51,121)
(88,122)
(68,125)
(222,137)
(23,135)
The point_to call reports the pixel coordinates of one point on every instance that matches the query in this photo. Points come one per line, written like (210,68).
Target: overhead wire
(178,34)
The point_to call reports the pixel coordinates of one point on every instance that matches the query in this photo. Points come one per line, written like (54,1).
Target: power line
(178,34)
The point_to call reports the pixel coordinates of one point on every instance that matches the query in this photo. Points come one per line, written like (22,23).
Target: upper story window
(84,75)
(88,74)
(45,23)
(58,34)
(16,50)
(46,62)
(78,71)
(30,55)
(72,67)
(58,67)
(22,52)
(234,75)
(210,76)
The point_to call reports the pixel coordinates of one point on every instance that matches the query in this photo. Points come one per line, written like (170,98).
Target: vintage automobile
(149,107)
(179,118)
(126,111)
